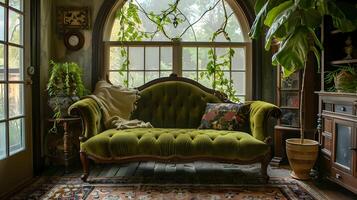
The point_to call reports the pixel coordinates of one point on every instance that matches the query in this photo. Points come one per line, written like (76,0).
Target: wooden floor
(198,169)
(155,168)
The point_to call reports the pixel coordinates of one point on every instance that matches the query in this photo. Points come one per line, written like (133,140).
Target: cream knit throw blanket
(117,103)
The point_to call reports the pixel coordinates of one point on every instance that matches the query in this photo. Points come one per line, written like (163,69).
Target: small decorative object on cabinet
(62,151)
(338,111)
(288,99)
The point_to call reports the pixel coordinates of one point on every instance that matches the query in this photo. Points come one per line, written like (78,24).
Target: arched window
(205,40)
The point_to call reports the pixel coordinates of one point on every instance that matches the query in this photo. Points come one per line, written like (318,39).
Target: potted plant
(64,87)
(344,79)
(293,24)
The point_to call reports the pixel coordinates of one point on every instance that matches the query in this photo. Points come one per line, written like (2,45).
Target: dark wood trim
(38,162)
(85,165)
(97,40)
(173,77)
(257,51)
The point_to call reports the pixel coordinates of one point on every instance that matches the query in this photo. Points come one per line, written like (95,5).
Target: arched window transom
(205,40)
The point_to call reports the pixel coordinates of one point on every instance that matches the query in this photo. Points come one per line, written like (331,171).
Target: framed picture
(73,18)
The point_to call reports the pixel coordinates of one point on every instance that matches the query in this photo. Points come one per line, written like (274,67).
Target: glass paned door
(12,93)
(15,95)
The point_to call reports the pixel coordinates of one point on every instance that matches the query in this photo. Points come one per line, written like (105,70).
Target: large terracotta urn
(302,156)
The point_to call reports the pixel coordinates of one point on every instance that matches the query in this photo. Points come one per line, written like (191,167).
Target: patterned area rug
(125,188)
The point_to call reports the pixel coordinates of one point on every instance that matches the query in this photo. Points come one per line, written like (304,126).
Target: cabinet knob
(352,148)
(338,176)
(343,108)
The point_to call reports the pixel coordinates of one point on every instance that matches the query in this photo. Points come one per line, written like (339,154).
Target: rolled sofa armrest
(91,116)
(260,112)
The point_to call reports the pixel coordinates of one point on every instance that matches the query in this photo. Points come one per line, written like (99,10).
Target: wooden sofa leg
(264,167)
(85,165)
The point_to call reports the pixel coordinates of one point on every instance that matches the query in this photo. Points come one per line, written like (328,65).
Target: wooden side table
(67,137)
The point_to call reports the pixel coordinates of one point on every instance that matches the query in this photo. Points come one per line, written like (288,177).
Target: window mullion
(197,63)
(127,65)
(177,57)
(144,64)
(160,61)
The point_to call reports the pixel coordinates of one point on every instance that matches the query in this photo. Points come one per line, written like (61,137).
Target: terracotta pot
(302,156)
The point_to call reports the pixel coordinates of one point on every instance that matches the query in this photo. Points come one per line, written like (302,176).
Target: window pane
(117,57)
(15,100)
(222,57)
(209,14)
(238,60)
(136,58)
(165,73)
(203,58)
(118,79)
(241,98)
(189,58)
(152,58)
(15,27)
(15,63)
(2,23)
(190,75)
(16,132)
(239,82)
(2,62)
(2,101)
(2,141)
(18,4)
(204,80)
(149,76)
(166,58)
(136,79)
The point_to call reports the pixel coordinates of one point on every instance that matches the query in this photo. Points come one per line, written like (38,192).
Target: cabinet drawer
(345,179)
(345,109)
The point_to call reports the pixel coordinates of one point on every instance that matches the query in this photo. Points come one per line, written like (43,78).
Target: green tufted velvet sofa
(174,106)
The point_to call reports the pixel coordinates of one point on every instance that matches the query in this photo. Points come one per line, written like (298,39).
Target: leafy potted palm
(64,87)
(293,24)
(343,78)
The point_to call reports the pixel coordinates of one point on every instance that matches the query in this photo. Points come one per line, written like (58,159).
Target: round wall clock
(74,40)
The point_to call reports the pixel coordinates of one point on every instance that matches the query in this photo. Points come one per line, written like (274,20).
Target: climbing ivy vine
(131,30)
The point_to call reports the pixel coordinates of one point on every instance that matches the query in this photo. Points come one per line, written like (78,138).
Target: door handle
(31,70)
(352,148)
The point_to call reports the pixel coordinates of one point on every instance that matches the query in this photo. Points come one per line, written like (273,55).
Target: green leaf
(306,4)
(311,18)
(259,5)
(276,11)
(279,24)
(317,56)
(293,51)
(339,19)
(257,24)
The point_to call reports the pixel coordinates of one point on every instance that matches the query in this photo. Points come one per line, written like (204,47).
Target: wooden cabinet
(338,138)
(288,99)
(337,109)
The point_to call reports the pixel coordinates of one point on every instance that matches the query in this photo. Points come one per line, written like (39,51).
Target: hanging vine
(131,30)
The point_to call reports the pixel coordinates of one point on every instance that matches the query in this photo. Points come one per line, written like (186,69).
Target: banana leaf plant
(293,24)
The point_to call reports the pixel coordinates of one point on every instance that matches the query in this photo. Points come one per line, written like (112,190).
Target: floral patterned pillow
(226,116)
